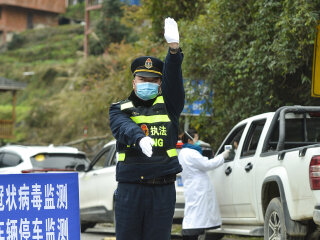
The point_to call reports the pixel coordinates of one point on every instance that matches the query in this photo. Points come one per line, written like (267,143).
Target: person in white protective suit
(201,207)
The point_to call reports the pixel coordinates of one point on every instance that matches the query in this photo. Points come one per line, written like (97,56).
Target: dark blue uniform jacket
(128,132)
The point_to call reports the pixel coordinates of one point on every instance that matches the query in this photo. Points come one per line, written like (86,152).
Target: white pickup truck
(270,185)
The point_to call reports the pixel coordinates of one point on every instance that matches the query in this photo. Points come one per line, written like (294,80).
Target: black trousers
(144,211)
(191,234)
(194,233)
(194,237)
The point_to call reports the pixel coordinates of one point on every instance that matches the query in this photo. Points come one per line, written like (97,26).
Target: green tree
(157,11)
(109,28)
(75,12)
(255,54)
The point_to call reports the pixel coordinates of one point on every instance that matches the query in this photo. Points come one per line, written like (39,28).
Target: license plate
(179,181)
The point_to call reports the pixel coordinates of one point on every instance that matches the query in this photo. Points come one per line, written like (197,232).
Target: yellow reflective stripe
(122,156)
(147,70)
(172,152)
(126,105)
(158,100)
(150,119)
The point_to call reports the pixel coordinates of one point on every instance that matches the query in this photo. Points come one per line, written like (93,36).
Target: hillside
(66,93)
(49,53)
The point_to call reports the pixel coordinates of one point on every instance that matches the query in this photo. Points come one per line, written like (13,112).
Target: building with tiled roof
(19,15)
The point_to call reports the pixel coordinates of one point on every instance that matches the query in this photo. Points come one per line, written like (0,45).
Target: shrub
(17,41)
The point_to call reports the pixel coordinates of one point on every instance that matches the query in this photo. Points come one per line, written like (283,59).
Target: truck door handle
(228,171)
(248,167)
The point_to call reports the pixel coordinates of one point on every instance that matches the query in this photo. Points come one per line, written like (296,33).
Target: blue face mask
(147,90)
(197,143)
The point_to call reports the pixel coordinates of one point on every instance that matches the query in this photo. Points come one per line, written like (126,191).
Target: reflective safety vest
(155,123)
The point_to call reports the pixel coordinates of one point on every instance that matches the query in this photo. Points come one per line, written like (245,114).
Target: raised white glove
(225,154)
(146,144)
(171,33)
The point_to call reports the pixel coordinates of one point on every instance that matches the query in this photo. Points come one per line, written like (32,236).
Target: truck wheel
(274,222)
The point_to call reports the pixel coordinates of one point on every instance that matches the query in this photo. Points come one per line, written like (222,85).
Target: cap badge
(148,63)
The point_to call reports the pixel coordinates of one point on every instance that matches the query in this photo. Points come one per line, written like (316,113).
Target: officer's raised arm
(172,83)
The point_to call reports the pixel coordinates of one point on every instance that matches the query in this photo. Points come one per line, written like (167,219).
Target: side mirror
(80,168)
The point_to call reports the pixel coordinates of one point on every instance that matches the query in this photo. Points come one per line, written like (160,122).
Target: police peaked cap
(147,66)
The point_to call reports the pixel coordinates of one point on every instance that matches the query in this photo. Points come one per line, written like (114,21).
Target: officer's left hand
(146,144)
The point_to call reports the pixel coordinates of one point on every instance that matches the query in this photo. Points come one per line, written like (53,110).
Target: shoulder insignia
(116,103)
(126,105)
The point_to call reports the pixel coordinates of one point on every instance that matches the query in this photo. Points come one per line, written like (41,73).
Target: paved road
(105,232)
(98,233)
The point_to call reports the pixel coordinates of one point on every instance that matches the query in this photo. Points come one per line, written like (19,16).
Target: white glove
(146,144)
(171,33)
(225,154)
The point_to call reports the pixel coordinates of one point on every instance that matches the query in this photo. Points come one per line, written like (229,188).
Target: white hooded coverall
(201,206)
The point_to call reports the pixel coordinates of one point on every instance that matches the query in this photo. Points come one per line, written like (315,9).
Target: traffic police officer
(145,126)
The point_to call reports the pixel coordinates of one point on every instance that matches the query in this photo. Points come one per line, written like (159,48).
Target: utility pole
(89,6)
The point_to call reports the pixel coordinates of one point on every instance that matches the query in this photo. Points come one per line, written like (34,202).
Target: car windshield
(58,161)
